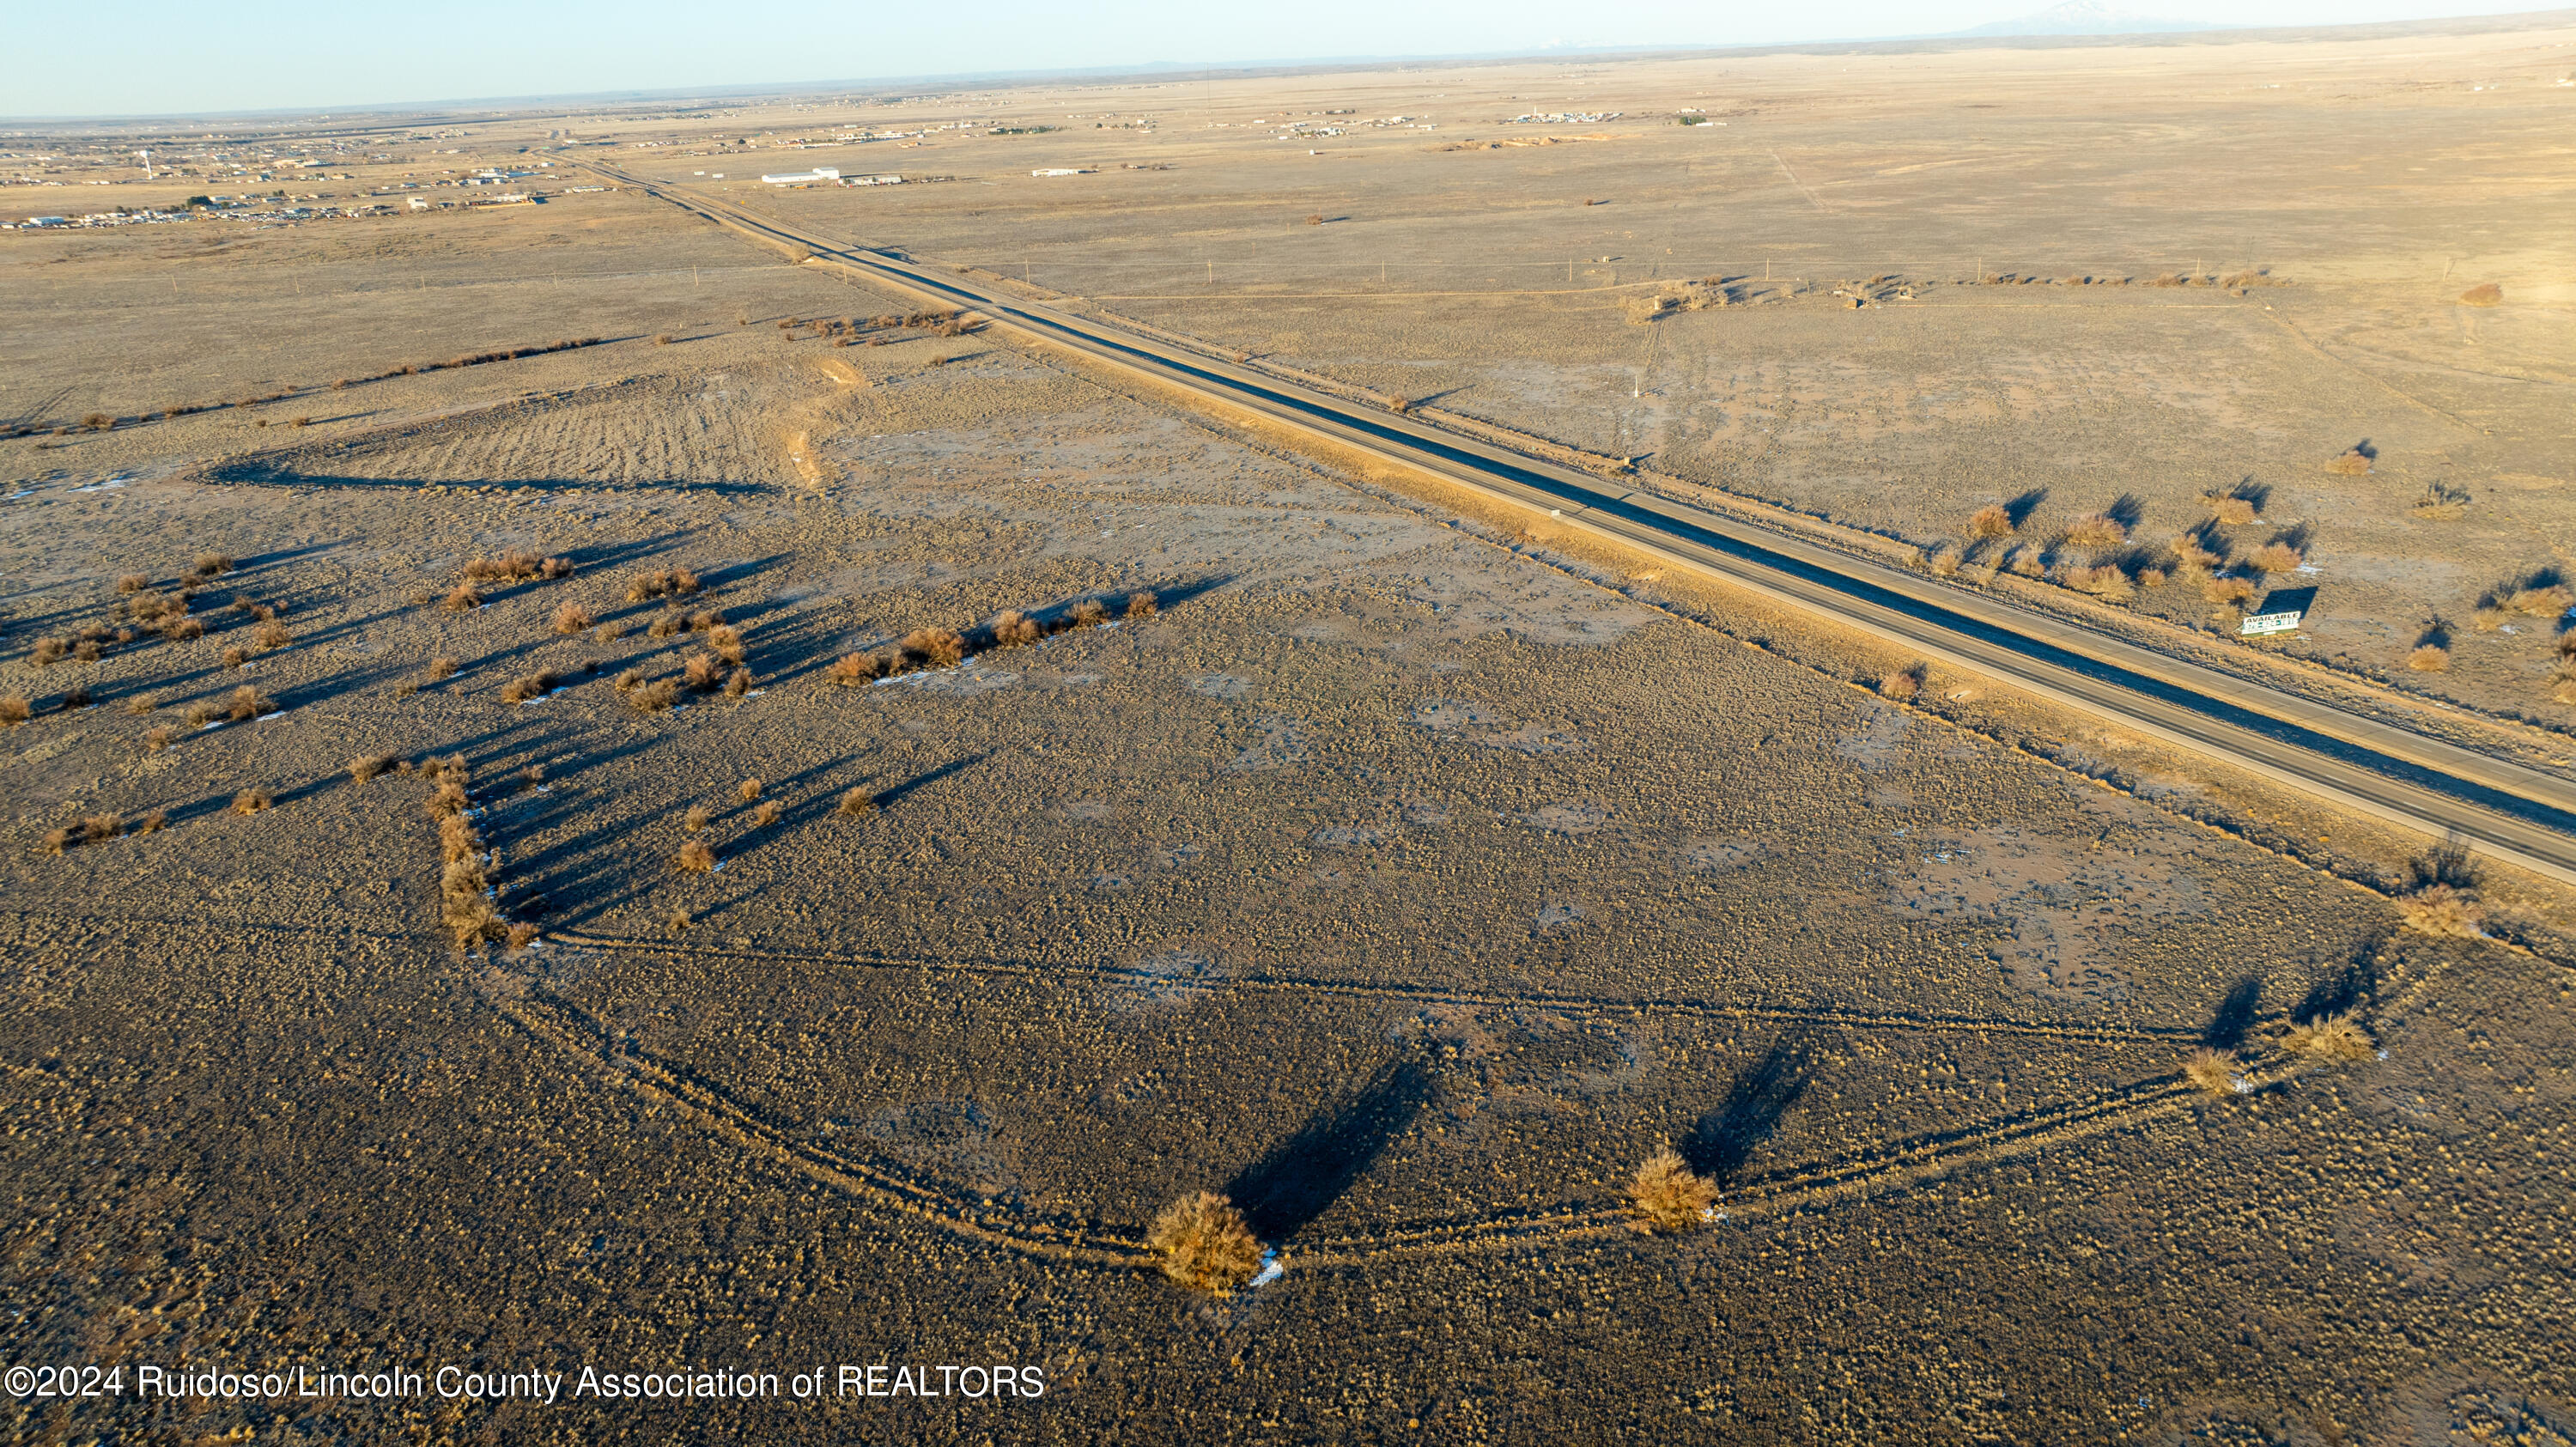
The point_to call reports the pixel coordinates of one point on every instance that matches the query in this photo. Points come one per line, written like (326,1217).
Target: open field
(1403,869)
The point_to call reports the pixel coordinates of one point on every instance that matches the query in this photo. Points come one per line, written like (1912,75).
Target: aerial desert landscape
(810,798)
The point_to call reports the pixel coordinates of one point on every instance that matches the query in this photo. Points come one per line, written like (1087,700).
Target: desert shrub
(2227,509)
(851,669)
(1993,520)
(1666,1195)
(2429,658)
(213,565)
(253,800)
(2276,558)
(2151,577)
(182,629)
(661,339)
(2485,293)
(1902,685)
(740,683)
(748,790)
(1142,605)
(2353,462)
(696,857)
(55,841)
(236,656)
(271,635)
(2541,601)
(76,696)
(932,648)
(368,766)
(726,640)
(201,714)
(2442,910)
(2213,1071)
(1944,563)
(2227,591)
(2027,562)
(2330,1037)
(1086,614)
(521,936)
(2489,617)
(668,625)
(15,710)
(696,819)
(99,828)
(141,704)
(1014,629)
(2097,530)
(765,815)
(2188,551)
(572,618)
(132,583)
(152,822)
(1203,1242)
(49,651)
(666,583)
(441,668)
(704,672)
(705,620)
(533,686)
(857,804)
(462,599)
(655,697)
(2107,581)
(2441,502)
(248,702)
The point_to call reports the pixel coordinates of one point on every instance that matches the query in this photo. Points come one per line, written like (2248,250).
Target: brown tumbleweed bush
(1014,629)
(2212,1071)
(1993,520)
(248,702)
(1203,1242)
(15,710)
(852,669)
(253,800)
(2429,658)
(367,766)
(534,686)
(696,858)
(2331,1037)
(858,804)
(1666,1195)
(572,618)
(765,815)
(2097,530)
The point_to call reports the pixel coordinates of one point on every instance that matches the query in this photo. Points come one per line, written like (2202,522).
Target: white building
(803,178)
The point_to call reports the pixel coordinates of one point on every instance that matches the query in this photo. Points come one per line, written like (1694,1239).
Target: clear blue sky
(161,57)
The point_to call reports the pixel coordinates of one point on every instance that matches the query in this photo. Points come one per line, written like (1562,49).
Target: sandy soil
(1408,877)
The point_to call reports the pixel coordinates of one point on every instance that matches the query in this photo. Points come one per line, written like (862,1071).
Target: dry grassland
(766,852)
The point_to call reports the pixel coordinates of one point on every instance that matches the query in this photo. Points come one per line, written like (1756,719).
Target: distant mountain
(2085,17)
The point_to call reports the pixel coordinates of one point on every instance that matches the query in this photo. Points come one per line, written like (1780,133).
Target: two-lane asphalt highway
(2508,811)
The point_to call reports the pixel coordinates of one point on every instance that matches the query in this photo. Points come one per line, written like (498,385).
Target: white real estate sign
(2269,623)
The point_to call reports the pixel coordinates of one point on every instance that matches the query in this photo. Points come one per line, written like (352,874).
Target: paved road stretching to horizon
(2507,811)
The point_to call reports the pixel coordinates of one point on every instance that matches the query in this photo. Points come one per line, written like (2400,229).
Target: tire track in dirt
(568,1029)
(1351,989)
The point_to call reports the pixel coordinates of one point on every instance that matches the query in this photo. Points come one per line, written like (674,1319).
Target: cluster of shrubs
(851,331)
(2096,554)
(667,583)
(465,887)
(98,829)
(513,567)
(929,648)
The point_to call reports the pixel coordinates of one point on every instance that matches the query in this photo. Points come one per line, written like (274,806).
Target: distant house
(803,178)
(1067,171)
(871,180)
